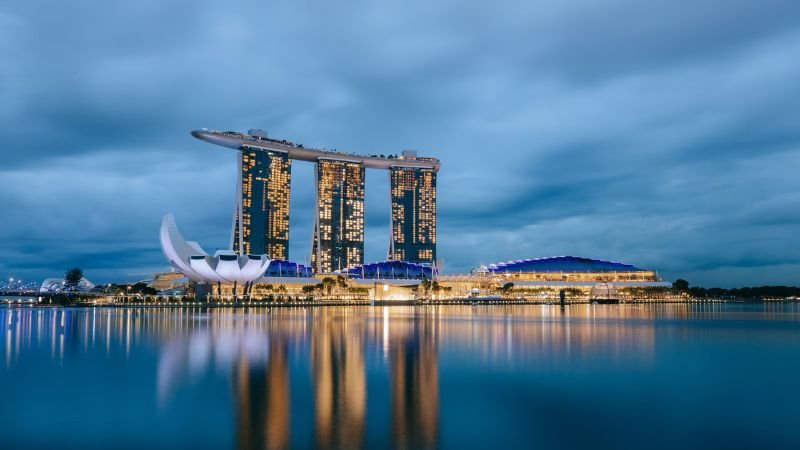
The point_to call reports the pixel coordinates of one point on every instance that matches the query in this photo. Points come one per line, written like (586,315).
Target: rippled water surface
(502,377)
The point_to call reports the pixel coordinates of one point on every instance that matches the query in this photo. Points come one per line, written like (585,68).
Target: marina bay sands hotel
(261,214)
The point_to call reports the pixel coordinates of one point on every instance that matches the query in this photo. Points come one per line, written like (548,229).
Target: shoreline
(376,303)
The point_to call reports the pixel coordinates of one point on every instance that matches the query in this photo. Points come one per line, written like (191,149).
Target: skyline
(262,217)
(667,143)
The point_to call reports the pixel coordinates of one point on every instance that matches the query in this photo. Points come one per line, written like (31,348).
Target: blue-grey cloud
(658,133)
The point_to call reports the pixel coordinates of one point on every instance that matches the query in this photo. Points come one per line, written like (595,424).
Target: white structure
(604,291)
(191,260)
(58,285)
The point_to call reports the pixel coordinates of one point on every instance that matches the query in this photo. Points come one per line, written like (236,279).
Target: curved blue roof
(284,268)
(562,264)
(390,270)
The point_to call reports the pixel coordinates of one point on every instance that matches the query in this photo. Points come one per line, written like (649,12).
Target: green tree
(435,288)
(142,288)
(680,285)
(73,276)
(327,285)
(308,289)
(425,285)
(507,288)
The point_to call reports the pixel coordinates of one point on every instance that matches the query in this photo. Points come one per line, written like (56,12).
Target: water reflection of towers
(415,385)
(262,402)
(338,347)
(337,362)
(340,386)
(341,349)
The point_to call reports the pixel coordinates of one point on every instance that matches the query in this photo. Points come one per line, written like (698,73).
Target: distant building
(55,285)
(168,280)
(547,276)
(570,268)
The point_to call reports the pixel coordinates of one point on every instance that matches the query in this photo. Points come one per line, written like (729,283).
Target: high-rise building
(413,192)
(261,215)
(261,218)
(338,240)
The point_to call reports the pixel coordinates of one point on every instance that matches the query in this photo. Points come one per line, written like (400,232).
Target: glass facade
(570,268)
(413,192)
(390,270)
(261,219)
(338,240)
(283,268)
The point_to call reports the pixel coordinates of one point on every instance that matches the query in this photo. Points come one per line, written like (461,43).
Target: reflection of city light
(385,332)
(260,352)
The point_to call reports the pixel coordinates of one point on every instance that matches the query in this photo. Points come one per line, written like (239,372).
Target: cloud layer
(662,134)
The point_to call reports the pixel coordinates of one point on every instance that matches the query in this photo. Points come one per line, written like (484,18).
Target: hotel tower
(413,192)
(261,212)
(338,241)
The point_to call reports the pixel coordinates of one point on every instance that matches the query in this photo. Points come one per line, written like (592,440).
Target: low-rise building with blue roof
(390,270)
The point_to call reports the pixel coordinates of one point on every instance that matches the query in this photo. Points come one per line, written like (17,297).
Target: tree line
(759,292)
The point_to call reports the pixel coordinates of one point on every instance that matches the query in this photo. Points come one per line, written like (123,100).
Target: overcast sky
(658,133)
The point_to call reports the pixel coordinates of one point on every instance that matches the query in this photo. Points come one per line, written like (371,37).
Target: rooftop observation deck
(235,140)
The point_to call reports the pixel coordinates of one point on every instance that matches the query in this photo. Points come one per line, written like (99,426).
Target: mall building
(546,277)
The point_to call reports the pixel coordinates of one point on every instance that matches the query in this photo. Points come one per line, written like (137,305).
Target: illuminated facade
(338,240)
(261,214)
(396,269)
(413,192)
(570,268)
(261,218)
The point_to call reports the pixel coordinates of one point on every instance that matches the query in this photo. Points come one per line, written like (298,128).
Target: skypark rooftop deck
(235,140)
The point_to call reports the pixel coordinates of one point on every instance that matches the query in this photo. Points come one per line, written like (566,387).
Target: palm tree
(327,284)
(425,284)
(435,288)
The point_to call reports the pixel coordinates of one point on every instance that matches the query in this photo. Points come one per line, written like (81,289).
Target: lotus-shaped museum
(190,259)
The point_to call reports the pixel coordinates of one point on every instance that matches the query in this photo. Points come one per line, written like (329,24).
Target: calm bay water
(600,377)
